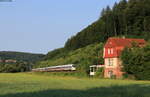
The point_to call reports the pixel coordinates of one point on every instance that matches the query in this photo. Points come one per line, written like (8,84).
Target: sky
(39,26)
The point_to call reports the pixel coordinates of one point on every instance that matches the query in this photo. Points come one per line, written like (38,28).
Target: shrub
(99,73)
(15,67)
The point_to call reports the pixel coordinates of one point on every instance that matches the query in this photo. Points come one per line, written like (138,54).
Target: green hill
(129,18)
(83,57)
(20,56)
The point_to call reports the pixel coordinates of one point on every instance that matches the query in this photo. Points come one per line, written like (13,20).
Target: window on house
(108,51)
(110,62)
(112,51)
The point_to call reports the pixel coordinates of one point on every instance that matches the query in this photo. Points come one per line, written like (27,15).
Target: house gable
(114,46)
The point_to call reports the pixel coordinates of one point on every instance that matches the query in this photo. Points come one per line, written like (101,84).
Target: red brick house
(112,52)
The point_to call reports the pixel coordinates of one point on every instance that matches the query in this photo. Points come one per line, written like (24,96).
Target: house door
(110,73)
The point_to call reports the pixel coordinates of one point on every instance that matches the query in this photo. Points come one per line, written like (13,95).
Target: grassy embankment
(82,58)
(33,85)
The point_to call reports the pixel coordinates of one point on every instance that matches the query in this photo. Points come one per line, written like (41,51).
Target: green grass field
(34,85)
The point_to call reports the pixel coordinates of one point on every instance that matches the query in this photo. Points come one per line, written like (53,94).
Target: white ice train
(59,68)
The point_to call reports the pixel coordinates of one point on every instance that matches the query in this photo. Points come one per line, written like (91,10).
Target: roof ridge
(126,38)
(116,41)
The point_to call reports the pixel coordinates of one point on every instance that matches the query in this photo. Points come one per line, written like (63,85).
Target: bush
(100,73)
(113,77)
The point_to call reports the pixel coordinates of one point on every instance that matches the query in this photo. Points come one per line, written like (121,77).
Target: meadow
(35,85)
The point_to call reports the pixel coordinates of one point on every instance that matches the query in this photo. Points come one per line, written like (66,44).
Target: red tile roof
(118,44)
(123,42)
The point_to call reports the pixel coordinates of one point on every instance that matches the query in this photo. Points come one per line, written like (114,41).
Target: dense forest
(127,18)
